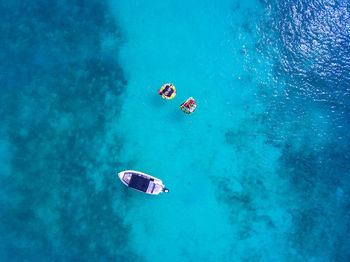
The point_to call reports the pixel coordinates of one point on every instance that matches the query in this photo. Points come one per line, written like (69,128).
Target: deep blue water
(259,173)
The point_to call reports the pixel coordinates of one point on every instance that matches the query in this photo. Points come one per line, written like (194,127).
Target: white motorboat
(142,182)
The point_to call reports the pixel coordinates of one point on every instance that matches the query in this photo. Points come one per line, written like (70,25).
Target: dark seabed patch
(60,84)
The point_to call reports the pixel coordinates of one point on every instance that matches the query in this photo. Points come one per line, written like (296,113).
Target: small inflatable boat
(189,106)
(142,182)
(167,91)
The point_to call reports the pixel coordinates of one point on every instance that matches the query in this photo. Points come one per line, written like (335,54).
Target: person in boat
(167,91)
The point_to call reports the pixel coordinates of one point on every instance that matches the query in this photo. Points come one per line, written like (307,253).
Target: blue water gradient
(60,85)
(260,172)
(311,118)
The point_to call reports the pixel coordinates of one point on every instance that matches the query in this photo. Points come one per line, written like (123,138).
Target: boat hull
(141,182)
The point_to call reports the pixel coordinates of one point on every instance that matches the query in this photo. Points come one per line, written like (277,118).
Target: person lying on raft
(167,91)
(188,104)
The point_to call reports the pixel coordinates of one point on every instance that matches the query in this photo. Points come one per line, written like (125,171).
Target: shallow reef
(61,84)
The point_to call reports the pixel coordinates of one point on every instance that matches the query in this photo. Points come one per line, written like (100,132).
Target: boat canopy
(139,183)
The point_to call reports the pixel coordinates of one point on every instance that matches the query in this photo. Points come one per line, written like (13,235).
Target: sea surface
(260,172)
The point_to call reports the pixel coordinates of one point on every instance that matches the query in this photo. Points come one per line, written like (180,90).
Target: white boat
(142,182)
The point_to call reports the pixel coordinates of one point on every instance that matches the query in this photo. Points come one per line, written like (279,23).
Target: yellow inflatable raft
(167,91)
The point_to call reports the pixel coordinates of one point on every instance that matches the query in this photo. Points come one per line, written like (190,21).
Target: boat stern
(157,189)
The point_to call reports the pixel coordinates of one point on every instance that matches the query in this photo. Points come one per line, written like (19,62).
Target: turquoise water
(260,172)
